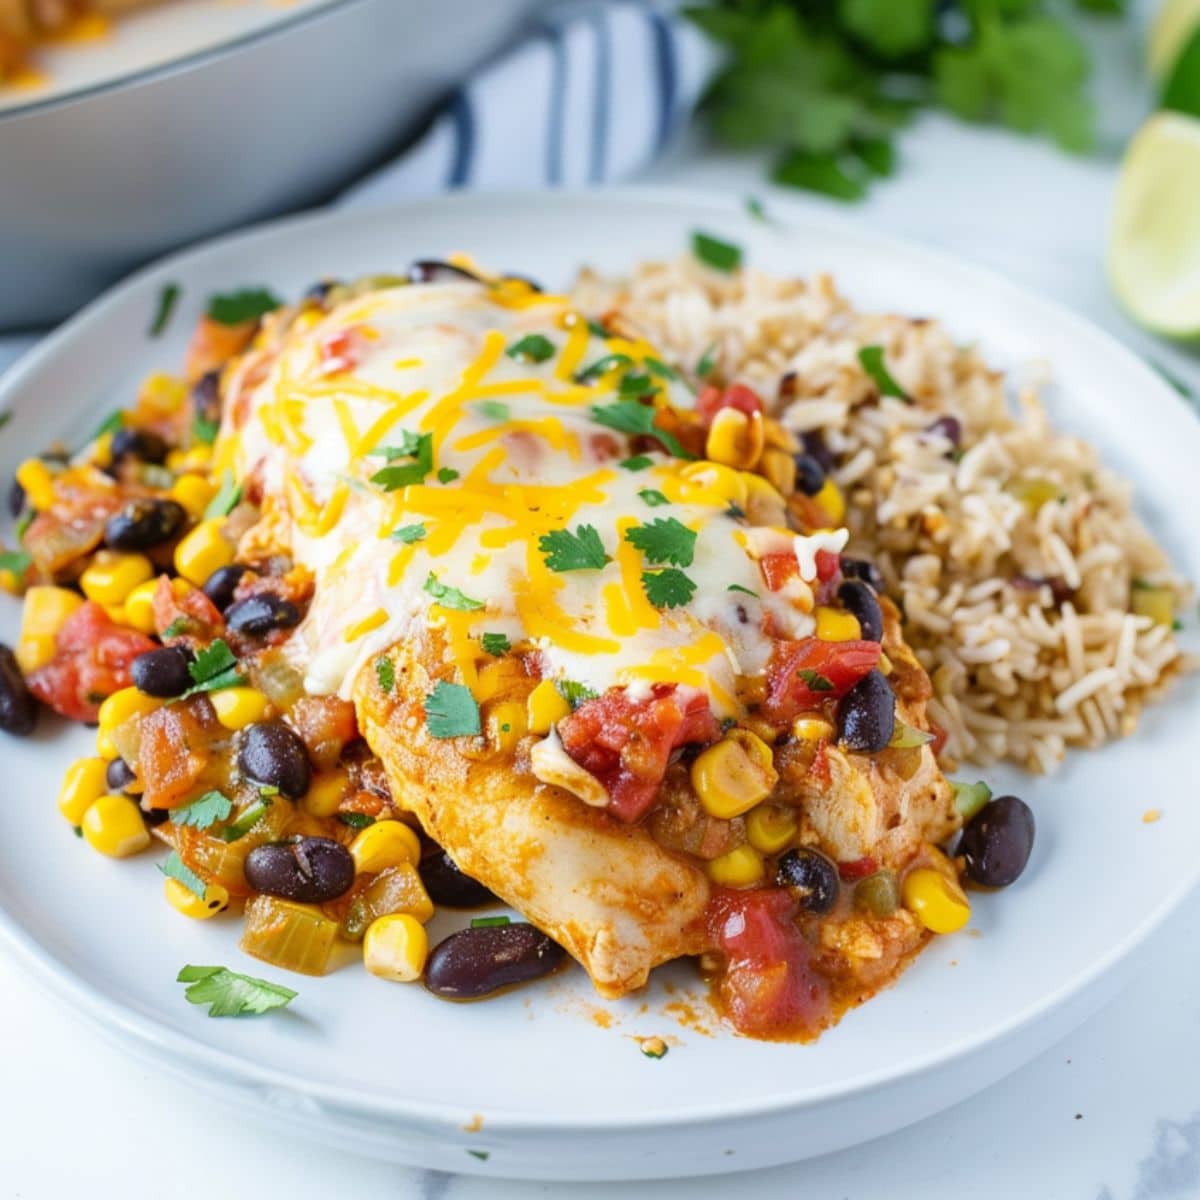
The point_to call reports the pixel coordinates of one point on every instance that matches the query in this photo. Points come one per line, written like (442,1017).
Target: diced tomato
(769,987)
(174,749)
(341,351)
(801,674)
(627,743)
(778,569)
(326,726)
(92,660)
(828,565)
(857,869)
(712,399)
(196,619)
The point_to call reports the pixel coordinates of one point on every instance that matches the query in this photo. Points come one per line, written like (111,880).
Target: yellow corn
(779,468)
(139,606)
(734,439)
(326,793)
(507,723)
(122,706)
(113,825)
(830,498)
(183,900)
(202,551)
(384,844)
(1157,603)
(111,576)
(237,707)
(105,746)
(770,828)
(546,707)
(35,651)
(833,625)
(708,483)
(82,785)
(198,458)
(194,492)
(35,477)
(162,393)
(740,867)
(937,902)
(46,610)
(307,320)
(764,505)
(811,729)
(731,777)
(497,677)
(395,947)
(101,453)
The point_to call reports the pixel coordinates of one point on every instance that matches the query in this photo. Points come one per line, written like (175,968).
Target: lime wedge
(1154,242)
(1176,22)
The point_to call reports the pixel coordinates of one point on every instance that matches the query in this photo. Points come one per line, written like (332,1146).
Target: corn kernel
(309,319)
(198,458)
(497,677)
(709,483)
(326,793)
(237,707)
(203,551)
(779,469)
(34,651)
(101,453)
(139,606)
(833,625)
(162,393)
(811,729)
(830,499)
(174,460)
(732,776)
(937,902)
(506,724)
(764,505)
(82,785)
(546,707)
(123,706)
(770,828)
(183,900)
(34,476)
(46,610)
(10,582)
(113,825)
(734,439)
(105,746)
(740,867)
(384,844)
(194,492)
(395,947)
(111,576)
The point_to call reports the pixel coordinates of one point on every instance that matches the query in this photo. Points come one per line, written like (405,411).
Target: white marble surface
(1111,1114)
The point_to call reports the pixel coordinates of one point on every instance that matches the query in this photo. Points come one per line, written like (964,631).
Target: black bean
(867,714)
(16,499)
(858,598)
(272,754)
(144,523)
(119,775)
(814,444)
(220,586)
(997,842)
(319,290)
(311,870)
(434,270)
(138,443)
(262,614)
(162,672)
(787,386)
(811,877)
(18,709)
(810,475)
(206,396)
(447,885)
(868,572)
(948,427)
(474,962)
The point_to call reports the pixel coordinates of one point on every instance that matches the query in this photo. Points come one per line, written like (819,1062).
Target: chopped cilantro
(629,416)
(737,587)
(814,680)
(602,366)
(229,994)
(493,410)
(205,431)
(356,820)
(418,447)
(408,533)
(754,206)
(482,1155)
(495,644)
(227,498)
(668,588)
(249,817)
(657,367)
(574,693)
(451,711)
(5,417)
(167,299)
(173,867)
(489,922)
(248,304)
(736,511)
(385,673)
(636,385)
(664,540)
(596,329)
(450,597)
(871,358)
(579,551)
(200,814)
(177,628)
(215,667)
(447,475)
(653,497)
(708,360)
(110,424)
(16,561)
(639,462)
(715,253)
(533,347)
(24,521)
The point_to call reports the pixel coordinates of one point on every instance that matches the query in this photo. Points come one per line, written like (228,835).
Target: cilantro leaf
(668,588)
(451,711)
(408,533)
(229,994)
(715,253)
(814,680)
(16,561)
(385,673)
(653,497)
(596,329)
(447,475)
(214,668)
(708,360)
(574,693)
(533,347)
(657,367)
(756,209)
(418,447)
(173,867)
(871,358)
(636,385)
(610,362)
(356,820)
(450,597)
(737,587)
(205,431)
(630,416)
(167,299)
(200,814)
(493,410)
(110,424)
(495,644)
(579,551)
(664,540)
(248,304)
(227,498)
(177,628)
(889,28)
(639,462)
(248,818)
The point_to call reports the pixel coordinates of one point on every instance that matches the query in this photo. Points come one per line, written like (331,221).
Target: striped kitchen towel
(594,93)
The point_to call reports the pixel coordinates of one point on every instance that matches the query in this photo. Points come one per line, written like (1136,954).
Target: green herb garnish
(657,367)
(630,416)
(639,462)
(205,431)
(579,551)
(248,304)
(408,533)
(167,299)
(708,360)
(200,814)
(385,673)
(668,588)
(450,597)
(489,922)
(533,347)
(16,561)
(715,253)
(664,540)
(229,994)
(653,497)
(814,680)
(173,867)
(610,362)
(495,644)
(451,711)
(110,424)
(494,410)
(177,628)
(418,447)
(574,693)
(754,206)
(871,358)
(447,475)
(737,587)
(214,668)
(356,820)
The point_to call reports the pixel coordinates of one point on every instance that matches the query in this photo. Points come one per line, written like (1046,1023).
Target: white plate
(534,1083)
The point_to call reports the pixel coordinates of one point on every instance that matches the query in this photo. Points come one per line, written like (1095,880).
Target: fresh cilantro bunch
(827,83)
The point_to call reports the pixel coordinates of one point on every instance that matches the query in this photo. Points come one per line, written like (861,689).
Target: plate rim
(223,1066)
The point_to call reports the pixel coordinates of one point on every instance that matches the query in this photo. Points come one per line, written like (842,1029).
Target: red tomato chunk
(712,399)
(804,673)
